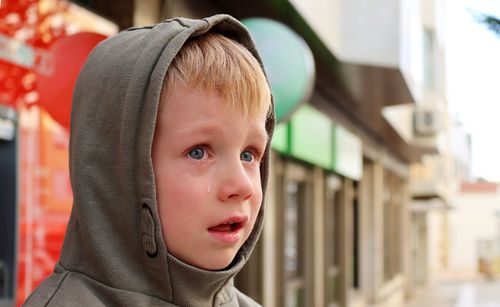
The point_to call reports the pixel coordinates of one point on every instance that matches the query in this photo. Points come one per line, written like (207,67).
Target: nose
(235,183)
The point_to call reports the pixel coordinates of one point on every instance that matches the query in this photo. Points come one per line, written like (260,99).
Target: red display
(42,51)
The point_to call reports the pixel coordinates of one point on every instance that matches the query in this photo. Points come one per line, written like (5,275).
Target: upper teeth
(231,223)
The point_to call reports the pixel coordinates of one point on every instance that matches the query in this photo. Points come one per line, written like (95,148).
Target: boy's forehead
(206,112)
(214,128)
(232,105)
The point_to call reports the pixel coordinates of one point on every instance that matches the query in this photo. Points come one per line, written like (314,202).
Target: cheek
(179,197)
(181,193)
(257,197)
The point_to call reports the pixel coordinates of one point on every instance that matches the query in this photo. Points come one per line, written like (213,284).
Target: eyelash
(256,154)
(203,148)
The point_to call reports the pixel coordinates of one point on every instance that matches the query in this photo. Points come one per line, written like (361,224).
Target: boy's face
(206,161)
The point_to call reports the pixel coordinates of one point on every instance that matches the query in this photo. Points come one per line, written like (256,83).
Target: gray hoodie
(113,252)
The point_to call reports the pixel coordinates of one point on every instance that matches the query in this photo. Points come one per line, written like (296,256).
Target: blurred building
(461,144)
(431,177)
(363,171)
(436,178)
(475,231)
(35,193)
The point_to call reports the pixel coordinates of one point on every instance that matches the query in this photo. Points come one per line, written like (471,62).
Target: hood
(114,234)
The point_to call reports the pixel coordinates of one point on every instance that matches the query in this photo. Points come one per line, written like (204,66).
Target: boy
(169,153)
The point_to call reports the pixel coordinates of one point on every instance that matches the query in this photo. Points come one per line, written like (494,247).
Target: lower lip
(226,237)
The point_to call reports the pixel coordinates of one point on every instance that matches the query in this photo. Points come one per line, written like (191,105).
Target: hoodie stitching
(229,301)
(217,296)
(139,28)
(179,21)
(57,289)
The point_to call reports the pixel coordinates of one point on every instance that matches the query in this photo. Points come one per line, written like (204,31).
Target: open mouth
(228,231)
(231,225)
(228,227)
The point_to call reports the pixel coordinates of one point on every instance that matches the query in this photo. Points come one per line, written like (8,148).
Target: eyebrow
(264,135)
(213,129)
(202,129)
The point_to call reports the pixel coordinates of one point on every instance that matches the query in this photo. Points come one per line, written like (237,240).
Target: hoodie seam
(139,28)
(218,293)
(228,302)
(57,289)
(179,21)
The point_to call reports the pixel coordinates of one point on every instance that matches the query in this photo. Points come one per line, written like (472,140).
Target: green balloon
(288,62)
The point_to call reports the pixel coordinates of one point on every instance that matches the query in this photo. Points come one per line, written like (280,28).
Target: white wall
(324,17)
(370,32)
(472,219)
(411,46)
(356,31)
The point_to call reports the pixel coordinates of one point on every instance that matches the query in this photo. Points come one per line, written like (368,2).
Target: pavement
(466,293)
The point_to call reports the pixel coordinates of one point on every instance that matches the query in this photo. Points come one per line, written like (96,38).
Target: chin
(217,266)
(216,262)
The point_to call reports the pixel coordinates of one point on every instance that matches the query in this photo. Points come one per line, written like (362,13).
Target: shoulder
(62,288)
(76,289)
(45,291)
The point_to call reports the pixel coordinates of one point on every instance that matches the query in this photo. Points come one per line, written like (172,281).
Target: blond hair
(213,62)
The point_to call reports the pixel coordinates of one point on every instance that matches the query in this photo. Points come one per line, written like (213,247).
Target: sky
(473,81)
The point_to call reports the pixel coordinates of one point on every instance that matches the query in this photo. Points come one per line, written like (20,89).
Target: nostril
(248,196)
(235,184)
(243,195)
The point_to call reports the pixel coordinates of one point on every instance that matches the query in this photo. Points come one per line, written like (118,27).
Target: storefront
(42,47)
(310,248)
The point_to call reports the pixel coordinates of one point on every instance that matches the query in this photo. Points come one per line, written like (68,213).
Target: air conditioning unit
(426,122)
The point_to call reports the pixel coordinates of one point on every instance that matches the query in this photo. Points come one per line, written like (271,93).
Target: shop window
(429,46)
(393,202)
(294,244)
(332,241)
(419,248)
(355,241)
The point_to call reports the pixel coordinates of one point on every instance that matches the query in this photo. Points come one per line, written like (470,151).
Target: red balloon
(55,85)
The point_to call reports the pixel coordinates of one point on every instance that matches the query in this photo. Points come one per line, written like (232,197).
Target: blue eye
(247,156)
(197,153)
